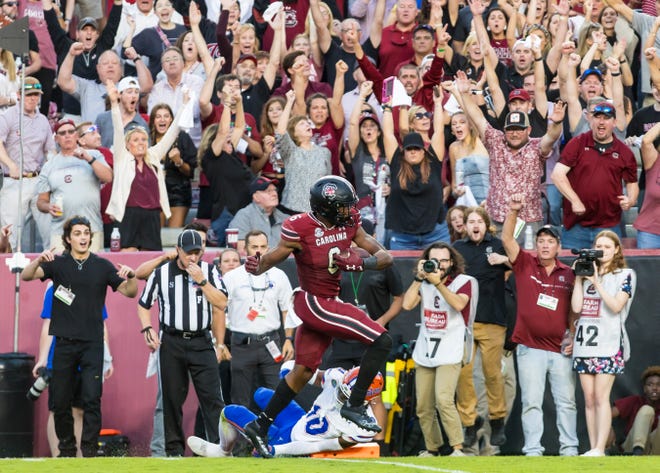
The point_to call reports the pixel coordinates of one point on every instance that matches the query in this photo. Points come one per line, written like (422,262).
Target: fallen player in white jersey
(294,432)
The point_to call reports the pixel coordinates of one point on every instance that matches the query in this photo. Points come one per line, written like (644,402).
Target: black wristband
(419,279)
(538,59)
(202,283)
(146,329)
(617,74)
(137,58)
(370,263)
(290,339)
(91,161)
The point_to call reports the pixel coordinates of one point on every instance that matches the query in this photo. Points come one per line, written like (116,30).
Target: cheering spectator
(593,200)
(151,42)
(648,220)
(129,100)
(139,193)
(91,93)
(512,153)
(274,167)
(469,159)
(69,185)
(173,88)
(305,161)
(229,177)
(367,158)
(179,164)
(415,206)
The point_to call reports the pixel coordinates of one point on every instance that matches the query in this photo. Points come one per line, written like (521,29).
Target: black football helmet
(334,199)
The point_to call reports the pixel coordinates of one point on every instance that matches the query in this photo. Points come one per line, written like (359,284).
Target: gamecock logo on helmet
(329,191)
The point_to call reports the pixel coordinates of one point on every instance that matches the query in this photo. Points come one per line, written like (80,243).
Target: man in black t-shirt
(333,52)
(80,279)
(485,260)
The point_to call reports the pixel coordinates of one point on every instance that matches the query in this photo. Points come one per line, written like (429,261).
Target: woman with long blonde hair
(468,159)
(9,85)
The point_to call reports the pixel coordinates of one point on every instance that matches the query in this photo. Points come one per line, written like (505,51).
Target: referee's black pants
(180,360)
(67,357)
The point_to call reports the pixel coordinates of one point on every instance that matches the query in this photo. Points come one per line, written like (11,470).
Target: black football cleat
(259,440)
(358,415)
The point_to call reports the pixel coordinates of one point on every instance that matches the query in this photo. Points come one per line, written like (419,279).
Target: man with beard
(589,176)
(72,179)
(129,98)
(485,261)
(255,95)
(94,43)
(516,160)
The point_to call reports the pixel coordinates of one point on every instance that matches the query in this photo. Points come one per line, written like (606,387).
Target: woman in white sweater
(138,190)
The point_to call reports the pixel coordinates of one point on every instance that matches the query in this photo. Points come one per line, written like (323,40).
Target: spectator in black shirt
(80,279)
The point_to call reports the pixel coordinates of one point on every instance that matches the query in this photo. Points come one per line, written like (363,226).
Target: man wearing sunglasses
(69,184)
(37,141)
(590,175)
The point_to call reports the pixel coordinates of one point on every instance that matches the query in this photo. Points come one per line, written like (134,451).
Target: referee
(190,305)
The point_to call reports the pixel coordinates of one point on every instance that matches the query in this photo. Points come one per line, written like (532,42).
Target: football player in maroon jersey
(321,244)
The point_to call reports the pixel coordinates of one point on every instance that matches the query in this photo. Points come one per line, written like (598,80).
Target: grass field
(304,465)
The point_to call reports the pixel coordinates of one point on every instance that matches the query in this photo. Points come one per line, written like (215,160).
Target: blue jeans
(533,367)
(220,224)
(583,237)
(407,241)
(647,240)
(554,202)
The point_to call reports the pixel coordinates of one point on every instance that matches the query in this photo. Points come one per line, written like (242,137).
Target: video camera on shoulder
(584,264)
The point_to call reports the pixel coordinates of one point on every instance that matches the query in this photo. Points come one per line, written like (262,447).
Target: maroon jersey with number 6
(317,272)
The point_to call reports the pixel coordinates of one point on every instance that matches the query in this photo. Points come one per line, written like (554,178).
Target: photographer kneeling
(448,306)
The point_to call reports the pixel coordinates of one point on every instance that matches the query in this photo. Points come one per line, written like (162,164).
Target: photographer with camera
(448,306)
(601,344)
(543,286)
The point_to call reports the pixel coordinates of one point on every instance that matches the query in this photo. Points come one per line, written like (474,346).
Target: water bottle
(529,238)
(115,240)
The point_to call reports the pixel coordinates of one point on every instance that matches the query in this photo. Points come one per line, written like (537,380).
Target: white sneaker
(205,449)
(458,453)
(594,452)
(426,453)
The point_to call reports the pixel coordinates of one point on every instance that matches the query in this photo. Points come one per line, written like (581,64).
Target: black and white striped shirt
(182,303)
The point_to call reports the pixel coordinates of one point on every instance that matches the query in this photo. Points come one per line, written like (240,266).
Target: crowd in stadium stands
(144,114)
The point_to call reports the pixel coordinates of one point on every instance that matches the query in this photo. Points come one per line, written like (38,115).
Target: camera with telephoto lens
(584,264)
(40,384)
(430,265)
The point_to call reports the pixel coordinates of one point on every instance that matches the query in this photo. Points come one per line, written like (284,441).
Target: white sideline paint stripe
(406,465)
